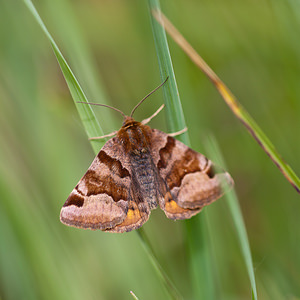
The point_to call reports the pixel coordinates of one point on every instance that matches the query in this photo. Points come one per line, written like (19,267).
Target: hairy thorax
(135,138)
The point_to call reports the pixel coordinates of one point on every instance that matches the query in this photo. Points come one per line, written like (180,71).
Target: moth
(137,170)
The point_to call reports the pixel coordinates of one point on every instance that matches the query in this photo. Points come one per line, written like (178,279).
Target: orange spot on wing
(133,216)
(172,207)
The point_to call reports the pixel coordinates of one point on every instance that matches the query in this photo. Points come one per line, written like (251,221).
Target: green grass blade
(199,257)
(86,113)
(68,32)
(170,287)
(174,113)
(201,260)
(235,210)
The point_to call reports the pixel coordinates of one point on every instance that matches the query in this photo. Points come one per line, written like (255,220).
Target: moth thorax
(137,139)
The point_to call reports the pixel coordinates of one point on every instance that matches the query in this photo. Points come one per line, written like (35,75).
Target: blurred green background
(252,45)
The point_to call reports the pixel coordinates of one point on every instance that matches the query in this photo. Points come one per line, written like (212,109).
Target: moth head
(129,121)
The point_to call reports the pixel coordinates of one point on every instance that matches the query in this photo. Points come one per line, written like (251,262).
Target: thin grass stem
(170,287)
(236,213)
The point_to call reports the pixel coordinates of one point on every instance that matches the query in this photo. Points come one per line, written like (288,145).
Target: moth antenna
(104,106)
(132,112)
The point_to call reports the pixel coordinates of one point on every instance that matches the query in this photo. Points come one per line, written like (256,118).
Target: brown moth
(137,170)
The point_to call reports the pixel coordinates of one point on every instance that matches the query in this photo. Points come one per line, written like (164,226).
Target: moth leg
(154,115)
(104,136)
(178,132)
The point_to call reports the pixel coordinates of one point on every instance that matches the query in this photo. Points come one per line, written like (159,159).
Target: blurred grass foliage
(253,46)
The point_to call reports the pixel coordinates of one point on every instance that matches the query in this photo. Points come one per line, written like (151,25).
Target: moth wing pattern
(103,198)
(190,180)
